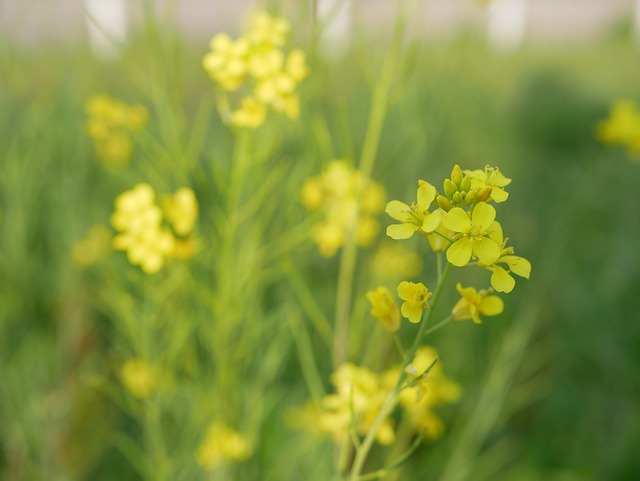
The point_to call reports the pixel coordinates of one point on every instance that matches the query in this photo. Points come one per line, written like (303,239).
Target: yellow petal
(426,194)
(405,290)
(518,265)
(398,210)
(457,220)
(496,234)
(431,221)
(486,250)
(491,306)
(401,231)
(483,214)
(411,312)
(460,251)
(501,280)
(499,195)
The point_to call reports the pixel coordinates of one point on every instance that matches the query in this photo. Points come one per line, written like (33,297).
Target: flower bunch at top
(141,233)
(222,445)
(622,127)
(256,66)
(348,200)
(462,222)
(360,395)
(110,125)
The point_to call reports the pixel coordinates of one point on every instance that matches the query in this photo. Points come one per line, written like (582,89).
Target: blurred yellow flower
(336,192)
(622,127)
(492,178)
(222,445)
(110,124)
(384,308)
(415,297)
(88,250)
(473,238)
(393,261)
(138,378)
(473,303)
(257,63)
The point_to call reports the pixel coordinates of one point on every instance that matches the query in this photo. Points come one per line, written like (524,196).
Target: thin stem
(392,398)
(439,325)
(443,236)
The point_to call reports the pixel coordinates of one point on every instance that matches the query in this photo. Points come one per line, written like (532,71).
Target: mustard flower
(414,218)
(491,178)
(88,250)
(222,445)
(227,61)
(393,261)
(251,114)
(384,308)
(459,192)
(268,31)
(473,235)
(415,297)
(474,303)
(138,378)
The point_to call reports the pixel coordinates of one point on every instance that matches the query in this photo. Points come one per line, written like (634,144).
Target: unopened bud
(456,174)
(457,198)
(466,183)
(449,188)
(484,194)
(471,197)
(444,203)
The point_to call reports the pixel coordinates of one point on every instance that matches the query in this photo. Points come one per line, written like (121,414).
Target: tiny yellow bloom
(384,308)
(393,261)
(492,178)
(87,251)
(415,297)
(222,445)
(501,279)
(226,63)
(414,218)
(250,115)
(473,238)
(138,378)
(473,303)
(622,127)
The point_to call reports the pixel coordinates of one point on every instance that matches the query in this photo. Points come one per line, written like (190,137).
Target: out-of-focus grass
(550,388)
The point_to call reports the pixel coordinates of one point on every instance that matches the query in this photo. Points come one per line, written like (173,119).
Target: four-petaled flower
(416,218)
(501,279)
(473,303)
(415,297)
(384,308)
(473,238)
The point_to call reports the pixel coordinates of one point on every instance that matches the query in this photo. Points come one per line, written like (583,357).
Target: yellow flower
(222,445)
(501,279)
(268,31)
(296,66)
(312,194)
(416,218)
(384,308)
(622,127)
(87,251)
(367,231)
(136,209)
(439,239)
(492,178)
(138,378)
(473,238)
(251,114)
(227,61)
(392,261)
(473,303)
(329,237)
(181,210)
(415,297)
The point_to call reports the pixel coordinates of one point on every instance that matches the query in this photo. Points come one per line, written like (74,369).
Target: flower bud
(471,197)
(484,194)
(457,198)
(444,203)
(449,188)
(456,174)
(466,183)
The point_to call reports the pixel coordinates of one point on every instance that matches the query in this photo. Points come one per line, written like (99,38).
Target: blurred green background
(551,386)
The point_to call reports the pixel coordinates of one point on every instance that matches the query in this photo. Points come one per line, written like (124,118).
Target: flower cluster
(256,66)
(222,445)
(622,127)
(141,232)
(360,394)
(462,223)
(348,200)
(110,125)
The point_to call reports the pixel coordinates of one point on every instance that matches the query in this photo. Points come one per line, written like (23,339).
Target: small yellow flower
(414,218)
(473,238)
(329,237)
(473,303)
(415,297)
(501,279)
(392,261)
(227,61)
(87,251)
(138,378)
(222,445)
(268,31)
(492,178)
(622,127)
(384,308)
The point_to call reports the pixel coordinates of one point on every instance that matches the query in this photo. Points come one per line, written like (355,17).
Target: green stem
(392,399)
(439,325)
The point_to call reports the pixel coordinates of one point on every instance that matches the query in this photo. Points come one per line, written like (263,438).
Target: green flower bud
(457,198)
(466,183)
(484,194)
(471,197)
